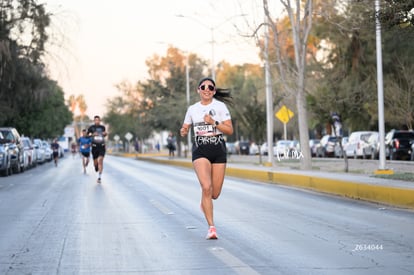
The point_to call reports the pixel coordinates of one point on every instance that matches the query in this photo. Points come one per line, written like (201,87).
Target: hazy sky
(99,43)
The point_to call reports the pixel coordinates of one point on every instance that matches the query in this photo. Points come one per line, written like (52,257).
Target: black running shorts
(98,150)
(86,154)
(215,152)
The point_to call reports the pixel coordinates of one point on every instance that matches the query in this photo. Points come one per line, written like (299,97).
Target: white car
(356,143)
(41,154)
(282,148)
(48,150)
(29,153)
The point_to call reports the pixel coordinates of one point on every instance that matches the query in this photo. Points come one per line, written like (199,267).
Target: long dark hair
(222,94)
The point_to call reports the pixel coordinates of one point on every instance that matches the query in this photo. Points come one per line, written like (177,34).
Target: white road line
(232,261)
(161,207)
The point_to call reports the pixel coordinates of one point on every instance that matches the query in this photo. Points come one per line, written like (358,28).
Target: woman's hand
(183,131)
(208,119)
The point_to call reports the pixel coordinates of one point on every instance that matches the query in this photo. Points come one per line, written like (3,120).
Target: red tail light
(397,144)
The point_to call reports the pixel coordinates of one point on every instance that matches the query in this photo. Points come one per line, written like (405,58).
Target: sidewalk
(356,186)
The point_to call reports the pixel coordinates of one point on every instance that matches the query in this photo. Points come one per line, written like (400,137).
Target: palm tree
(72,103)
(82,108)
(77,101)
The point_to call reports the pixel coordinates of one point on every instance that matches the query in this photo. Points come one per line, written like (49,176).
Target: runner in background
(73,149)
(55,149)
(98,133)
(85,143)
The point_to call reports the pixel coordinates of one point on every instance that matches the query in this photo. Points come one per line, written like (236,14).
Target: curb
(389,195)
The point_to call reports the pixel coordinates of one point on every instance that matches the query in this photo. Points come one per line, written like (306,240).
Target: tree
(159,103)
(26,93)
(47,118)
(165,92)
(78,102)
(300,18)
(397,13)
(125,113)
(248,110)
(400,102)
(347,73)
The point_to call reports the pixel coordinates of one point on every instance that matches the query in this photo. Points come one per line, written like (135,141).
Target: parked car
(398,144)
(244,147)
(29,153)
(358,140)
(61,152)
(41,154)
(326,147)
(231,148)
(294,147)
(412,150)
(48,150)
(371,151)
(281,148)
(264,149)
(253,149)
(12,136)
(313,143)
(338,152)
(5,165)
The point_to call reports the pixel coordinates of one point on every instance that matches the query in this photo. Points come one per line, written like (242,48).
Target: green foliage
(397,13)
(348,75)
(160,103)
(249,109)
(29,100)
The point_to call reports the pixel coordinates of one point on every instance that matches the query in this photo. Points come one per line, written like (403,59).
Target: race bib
(98,139)
(204,130)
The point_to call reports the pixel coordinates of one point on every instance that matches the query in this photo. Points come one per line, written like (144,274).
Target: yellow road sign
(284,114)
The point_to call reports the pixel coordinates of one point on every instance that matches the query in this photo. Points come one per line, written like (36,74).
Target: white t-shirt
(195,116)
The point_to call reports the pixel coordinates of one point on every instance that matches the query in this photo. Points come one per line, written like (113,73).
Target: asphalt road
(144,218)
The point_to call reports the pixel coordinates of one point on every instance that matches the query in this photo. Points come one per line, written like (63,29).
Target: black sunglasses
(209,87)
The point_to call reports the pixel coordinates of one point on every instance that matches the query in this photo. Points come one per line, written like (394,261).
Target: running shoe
(211,234)
(99,180)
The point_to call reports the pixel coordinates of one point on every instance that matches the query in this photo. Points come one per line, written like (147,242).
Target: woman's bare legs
(211,177)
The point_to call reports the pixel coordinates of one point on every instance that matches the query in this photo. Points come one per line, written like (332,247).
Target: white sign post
(128,137)
(116,138)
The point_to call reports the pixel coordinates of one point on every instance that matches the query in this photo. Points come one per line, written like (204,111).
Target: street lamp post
(213,70)
(269,99)
(380,92)
(187,80)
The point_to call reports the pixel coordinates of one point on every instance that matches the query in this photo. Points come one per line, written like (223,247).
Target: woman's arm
(226,127)
(184,129)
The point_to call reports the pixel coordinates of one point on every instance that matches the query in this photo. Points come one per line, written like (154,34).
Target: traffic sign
(128,136)
(284,114)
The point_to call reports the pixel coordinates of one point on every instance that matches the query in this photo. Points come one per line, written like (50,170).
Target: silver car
(41,154)
(30,159)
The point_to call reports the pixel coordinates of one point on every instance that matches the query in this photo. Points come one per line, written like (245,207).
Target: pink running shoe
(211,234)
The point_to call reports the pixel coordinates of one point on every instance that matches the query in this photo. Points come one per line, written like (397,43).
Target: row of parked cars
(399,144)
(280,148)
(18,153)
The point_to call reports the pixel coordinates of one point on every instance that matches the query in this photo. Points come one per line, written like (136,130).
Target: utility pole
(380,88)
(269,96)
(187,79)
